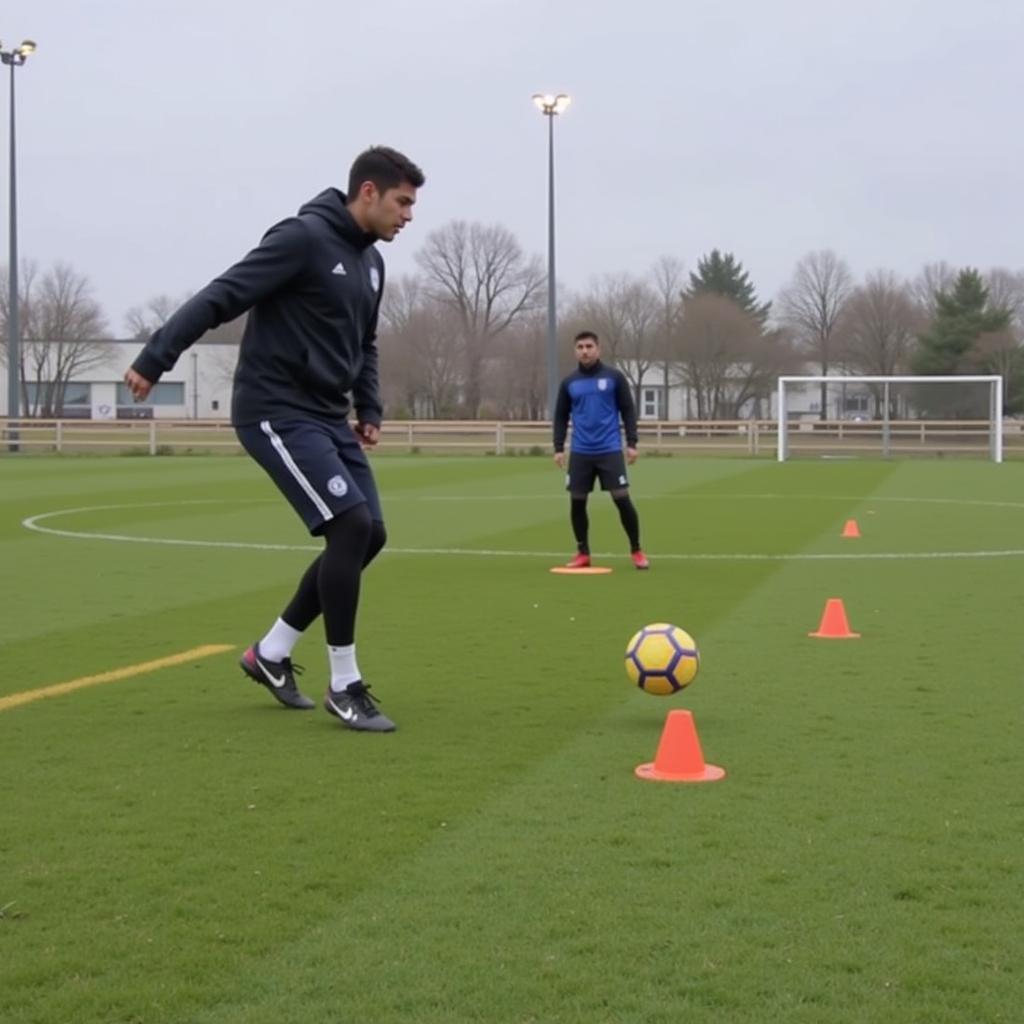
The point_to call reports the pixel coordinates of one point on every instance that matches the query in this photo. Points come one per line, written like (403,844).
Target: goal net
(890,417)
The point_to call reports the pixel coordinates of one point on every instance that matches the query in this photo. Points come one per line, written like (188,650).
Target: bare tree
(1002,351)
(641,342)
(624,312)
(64,336)
(999,352)
(602,309)
(879,325)
(725,359)
(1006,291)
(668,283)
(517,381)
(812,305)
(142,321)
(421,350)
(933,279)
(404,295)
(480,272)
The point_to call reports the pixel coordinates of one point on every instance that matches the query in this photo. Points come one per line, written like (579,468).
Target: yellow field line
(58,689)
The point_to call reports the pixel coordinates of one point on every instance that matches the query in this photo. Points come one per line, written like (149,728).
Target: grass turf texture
(174,847)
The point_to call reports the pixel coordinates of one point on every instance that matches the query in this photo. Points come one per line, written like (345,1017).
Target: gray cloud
(157,140)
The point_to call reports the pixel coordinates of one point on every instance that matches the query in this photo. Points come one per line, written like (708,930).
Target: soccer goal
(863,417)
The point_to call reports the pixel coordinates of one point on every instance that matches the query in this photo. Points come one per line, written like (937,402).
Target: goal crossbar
(994,381)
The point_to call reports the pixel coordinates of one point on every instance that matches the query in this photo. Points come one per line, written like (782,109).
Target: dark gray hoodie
(312,287)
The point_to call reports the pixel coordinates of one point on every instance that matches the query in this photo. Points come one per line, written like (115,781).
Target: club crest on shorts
(337,486)
(602,384)
(375,279)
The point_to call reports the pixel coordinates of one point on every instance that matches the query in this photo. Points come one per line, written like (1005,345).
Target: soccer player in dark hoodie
(595,396)
(313,290)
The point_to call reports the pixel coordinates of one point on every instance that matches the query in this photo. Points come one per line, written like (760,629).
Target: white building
(676,401)
(199,387)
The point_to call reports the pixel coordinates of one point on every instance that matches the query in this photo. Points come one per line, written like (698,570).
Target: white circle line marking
(32,523)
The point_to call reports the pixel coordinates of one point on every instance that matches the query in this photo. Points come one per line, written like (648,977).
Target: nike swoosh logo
(348,714)
(270,675)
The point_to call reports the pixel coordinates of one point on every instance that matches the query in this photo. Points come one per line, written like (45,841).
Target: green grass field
(175,848)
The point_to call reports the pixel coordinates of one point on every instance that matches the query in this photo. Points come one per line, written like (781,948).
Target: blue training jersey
(595,398)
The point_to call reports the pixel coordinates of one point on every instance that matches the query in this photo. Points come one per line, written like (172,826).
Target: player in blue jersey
(595,397)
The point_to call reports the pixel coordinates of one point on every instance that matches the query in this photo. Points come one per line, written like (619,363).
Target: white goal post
(883,426)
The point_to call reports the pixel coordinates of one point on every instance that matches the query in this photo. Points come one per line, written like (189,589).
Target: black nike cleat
(277,676)
(357,709)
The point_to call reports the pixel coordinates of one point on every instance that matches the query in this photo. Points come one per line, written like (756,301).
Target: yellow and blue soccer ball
(662,659)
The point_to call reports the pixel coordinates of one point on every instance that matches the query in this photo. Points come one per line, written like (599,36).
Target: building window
(169,393)
(855,403)
(77,400)
(649,403)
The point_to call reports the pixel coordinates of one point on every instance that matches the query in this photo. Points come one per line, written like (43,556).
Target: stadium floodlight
(551,106)
(14,59)
(879,432)
(548,104)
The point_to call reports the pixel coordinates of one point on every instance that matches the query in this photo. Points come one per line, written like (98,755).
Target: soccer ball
(662,659)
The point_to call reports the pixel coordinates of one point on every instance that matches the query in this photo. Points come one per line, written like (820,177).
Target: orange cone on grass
(851,529)
(834,625)
(679,757)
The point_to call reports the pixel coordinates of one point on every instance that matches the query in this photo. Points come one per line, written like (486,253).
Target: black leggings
(331,583)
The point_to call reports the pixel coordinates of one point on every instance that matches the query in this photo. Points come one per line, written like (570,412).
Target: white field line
(33,523)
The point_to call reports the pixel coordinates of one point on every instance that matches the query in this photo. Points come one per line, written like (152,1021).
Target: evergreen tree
(722,274)
(962,316)
(955,344)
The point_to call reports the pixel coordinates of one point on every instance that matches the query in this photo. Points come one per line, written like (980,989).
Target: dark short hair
(385,167)
(587,334)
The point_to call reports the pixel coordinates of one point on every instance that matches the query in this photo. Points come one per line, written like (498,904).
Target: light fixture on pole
(550,106)
(14,59)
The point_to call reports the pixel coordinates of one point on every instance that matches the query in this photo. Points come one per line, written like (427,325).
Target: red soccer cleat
(581,561)
(640,560)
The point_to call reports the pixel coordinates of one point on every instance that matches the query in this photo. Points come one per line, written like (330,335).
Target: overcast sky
(157,139)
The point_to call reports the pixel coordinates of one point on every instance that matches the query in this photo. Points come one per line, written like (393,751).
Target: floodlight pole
(550,106)
(14,59)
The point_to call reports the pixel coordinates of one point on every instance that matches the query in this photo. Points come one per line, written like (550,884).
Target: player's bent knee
(354,525)
(619,494)
(378,538)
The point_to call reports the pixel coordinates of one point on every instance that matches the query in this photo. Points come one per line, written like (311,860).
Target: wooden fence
(745,438)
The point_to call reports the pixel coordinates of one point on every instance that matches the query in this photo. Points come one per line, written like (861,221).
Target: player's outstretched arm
(278,258)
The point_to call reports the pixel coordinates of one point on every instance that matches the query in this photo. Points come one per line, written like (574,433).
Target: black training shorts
(608,467)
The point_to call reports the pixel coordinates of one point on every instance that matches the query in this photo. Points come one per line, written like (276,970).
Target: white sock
(278,643)
(344,669)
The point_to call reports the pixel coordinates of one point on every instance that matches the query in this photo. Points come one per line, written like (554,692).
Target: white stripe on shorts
(289,462)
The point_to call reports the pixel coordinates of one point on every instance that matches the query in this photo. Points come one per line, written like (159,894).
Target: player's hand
(137,385)
(560,460)
(368,434)
(631,454)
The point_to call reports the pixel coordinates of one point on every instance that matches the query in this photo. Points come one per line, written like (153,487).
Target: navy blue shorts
(319,467)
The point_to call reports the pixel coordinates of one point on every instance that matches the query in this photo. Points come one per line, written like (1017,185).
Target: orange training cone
(679,757)
(851,529)
(833,622)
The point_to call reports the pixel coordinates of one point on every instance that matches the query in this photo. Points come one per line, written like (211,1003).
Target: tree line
(466,334)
